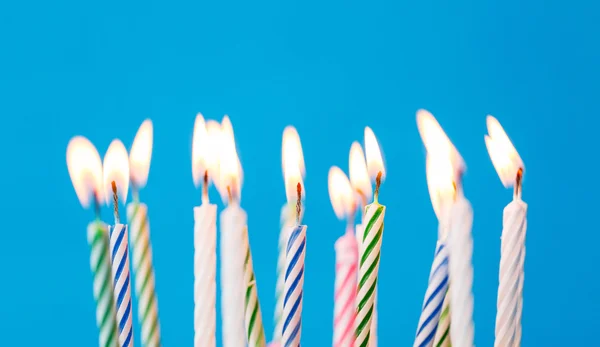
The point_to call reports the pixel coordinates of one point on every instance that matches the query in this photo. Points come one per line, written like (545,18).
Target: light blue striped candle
(294,283)
(122,283)
(434,298)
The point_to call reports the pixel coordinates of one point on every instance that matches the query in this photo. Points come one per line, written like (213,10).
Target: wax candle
(141,248)
(445,172)
(346,255)
(116,178)
(85,169)
(234,251)
(510,168)
(255,332)
(438,278)
(294,280)
(205,161)
(292,160)
(370,245)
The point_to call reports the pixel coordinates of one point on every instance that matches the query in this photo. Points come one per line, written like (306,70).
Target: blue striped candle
(434,298)
(122,283)
(294,283)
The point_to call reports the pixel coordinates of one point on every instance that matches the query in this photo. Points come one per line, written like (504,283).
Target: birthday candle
(292,160)
(370,245)
(141,248)
(205,166)
(510,168)
(233,228)
(255,331)
(294,280)
(346,255)
(116,179)
(85,169)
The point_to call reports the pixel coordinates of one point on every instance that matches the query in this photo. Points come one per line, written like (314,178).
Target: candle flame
(373,152)
(292,160)
(205,150)
(116,168)
(359,174)
(140,155)
(230,168)
(437,142)
(85,169)
(340,193)
(504,156)
(440,181)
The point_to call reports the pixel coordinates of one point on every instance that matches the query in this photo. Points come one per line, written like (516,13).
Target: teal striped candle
(103,294)
(143,270)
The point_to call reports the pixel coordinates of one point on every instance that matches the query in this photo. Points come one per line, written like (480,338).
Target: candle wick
(135,193)
(229,195)
(205,188)
(298,203)
(96,206)
(519,184)
(377,185)
(116,203)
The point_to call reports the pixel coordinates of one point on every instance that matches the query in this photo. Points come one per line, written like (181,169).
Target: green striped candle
(103,294)
(255,331)
(368,269)
(141,252)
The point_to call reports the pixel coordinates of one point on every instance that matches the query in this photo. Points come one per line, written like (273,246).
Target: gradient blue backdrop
(329,68)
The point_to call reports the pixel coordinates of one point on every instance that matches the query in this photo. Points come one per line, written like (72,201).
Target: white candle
(510,168)
(460,268)
(204,167)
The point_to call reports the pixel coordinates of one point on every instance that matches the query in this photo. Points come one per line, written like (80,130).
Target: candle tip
(205,188)
(115,201)
(519,183)
(377,185)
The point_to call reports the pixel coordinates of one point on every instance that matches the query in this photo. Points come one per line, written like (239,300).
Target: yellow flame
(292,160)
(504,156)
(116,168)
(359,175)
(140,155)
(230,168)
(85,169)
(373,153)
(340,193)
(437,142)
(440,181)
(205,149)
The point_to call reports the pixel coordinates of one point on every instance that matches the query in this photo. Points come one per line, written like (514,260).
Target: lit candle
(240,305)
(449,167)
(359,178)
(346,260)
(294,276)
(292,158)
(85,169)
(510,168)
(205,166)
(370,245)
(116,184)
(141,249)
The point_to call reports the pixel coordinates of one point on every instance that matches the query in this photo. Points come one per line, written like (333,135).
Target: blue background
(329,68)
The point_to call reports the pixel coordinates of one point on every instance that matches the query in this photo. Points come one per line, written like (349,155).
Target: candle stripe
(120,268)
(205,268)
(294,282)
(101,270)
(368,271)
(143,271)
(434,298)
(442,335)
(255,331)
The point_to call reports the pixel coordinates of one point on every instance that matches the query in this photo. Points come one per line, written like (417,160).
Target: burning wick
(298,203)
(377,185)
(205,187)
(116,203)
(519,183)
